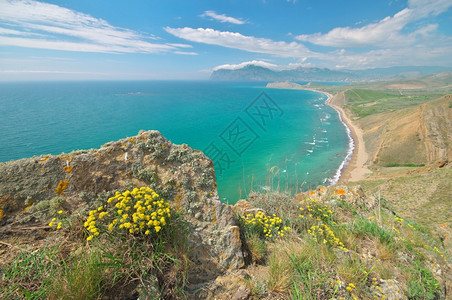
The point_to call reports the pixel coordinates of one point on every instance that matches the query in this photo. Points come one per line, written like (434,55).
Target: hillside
(419,134)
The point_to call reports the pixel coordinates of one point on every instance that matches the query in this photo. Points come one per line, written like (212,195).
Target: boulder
(30,188)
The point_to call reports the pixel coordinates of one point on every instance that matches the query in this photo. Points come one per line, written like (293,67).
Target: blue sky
(148,39)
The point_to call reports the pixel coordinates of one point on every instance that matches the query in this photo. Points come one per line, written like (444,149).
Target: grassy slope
(423,197)
(338,250)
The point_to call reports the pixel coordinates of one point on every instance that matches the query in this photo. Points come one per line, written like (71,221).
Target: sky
(182,39)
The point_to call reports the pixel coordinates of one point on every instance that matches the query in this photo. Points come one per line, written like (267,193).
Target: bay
(258,138)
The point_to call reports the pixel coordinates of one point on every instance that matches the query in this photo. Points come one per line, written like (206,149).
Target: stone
(83,179)
(355,196)
(390,289)
(243,293)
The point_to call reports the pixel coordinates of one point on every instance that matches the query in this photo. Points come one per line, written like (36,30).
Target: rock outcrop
(182,176)
(354,196)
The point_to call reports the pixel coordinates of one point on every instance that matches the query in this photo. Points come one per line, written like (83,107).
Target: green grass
(422,284)
(362,227)
(368,102)
(410,165)
(426,204)
(81,277)
(30,275)
(309,275)
(365,102)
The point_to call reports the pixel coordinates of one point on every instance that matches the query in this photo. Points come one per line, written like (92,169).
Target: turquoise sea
(257,137)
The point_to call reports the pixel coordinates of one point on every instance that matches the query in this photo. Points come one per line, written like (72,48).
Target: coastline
(354,166)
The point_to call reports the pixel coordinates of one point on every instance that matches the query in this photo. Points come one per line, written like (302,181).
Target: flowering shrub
(264,225)
(316,216)
(140,211)
(323,234)
(312,209)
(58,222)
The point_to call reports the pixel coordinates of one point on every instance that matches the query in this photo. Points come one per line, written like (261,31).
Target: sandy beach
(356,168)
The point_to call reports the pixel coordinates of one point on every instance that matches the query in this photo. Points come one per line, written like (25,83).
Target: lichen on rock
(182,176)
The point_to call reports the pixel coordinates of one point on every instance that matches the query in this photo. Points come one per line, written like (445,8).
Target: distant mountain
(258,73)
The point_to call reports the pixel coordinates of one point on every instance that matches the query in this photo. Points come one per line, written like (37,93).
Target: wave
(351,146)
(134,94)
(348,156)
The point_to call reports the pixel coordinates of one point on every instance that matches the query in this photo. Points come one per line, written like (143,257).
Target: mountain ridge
(252,72)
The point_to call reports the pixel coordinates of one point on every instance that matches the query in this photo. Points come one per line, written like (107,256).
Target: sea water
(258,138)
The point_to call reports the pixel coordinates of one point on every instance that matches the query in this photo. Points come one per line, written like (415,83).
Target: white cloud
(185,53)
(417,55)
(387,32)
(6,31)
(80,47)
(424,8)
(222,18)
(180,45)
(47,72)
(260,63)
(35,24)
(246,63)
(238,41)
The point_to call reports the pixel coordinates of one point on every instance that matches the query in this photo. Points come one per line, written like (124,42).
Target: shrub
(264,225)
(139,211)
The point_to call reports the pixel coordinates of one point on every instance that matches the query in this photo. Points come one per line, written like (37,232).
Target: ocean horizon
(258,138)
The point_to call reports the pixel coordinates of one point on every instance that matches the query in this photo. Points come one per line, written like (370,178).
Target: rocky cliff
(30,188)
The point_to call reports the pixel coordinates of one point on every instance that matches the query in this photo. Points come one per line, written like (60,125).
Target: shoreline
(355,168)
(344,166)
(354,165)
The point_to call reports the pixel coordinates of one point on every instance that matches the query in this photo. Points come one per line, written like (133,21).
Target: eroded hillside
(412,136)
